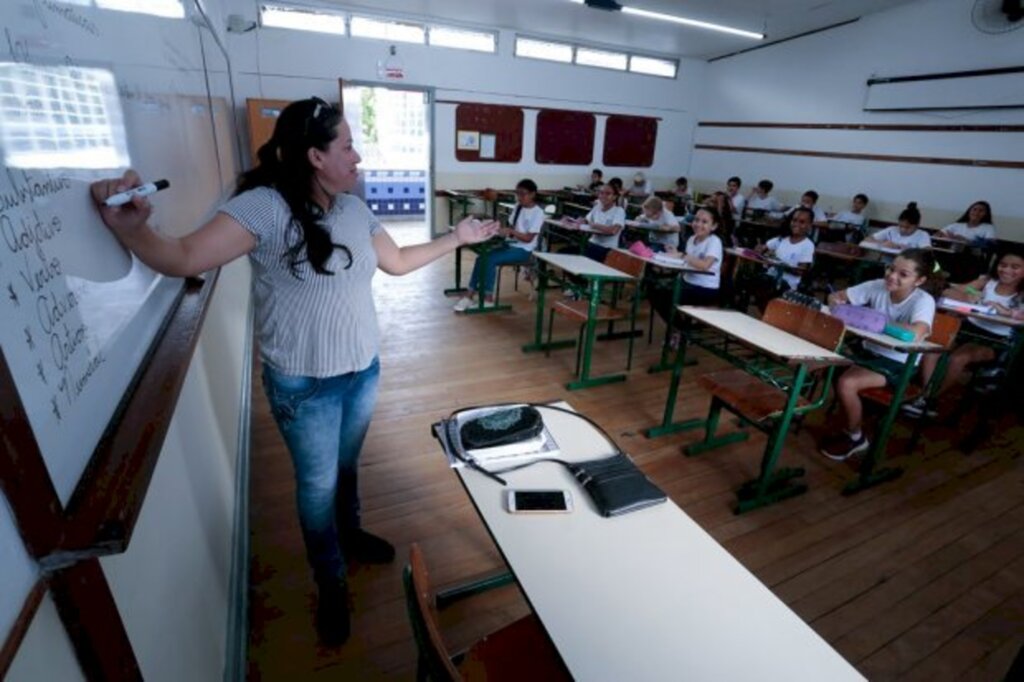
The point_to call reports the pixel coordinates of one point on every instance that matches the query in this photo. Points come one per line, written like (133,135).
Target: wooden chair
(519,651)
(766,401)
(578,310)
(945,327)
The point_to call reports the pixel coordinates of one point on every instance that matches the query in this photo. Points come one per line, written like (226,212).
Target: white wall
(285,64)
(822,78)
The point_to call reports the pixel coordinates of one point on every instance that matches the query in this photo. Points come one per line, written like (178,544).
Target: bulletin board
(499,133)
(629,141)
(565,137)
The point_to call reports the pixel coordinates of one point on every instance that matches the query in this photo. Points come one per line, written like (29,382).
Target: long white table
(645,596)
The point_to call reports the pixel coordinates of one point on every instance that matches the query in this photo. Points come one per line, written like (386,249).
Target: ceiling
(566,20)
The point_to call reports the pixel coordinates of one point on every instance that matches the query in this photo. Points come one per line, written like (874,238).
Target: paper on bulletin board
(467,140)
(487,144)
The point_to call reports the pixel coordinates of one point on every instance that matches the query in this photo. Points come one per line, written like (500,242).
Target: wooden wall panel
(630,141)
(565,137)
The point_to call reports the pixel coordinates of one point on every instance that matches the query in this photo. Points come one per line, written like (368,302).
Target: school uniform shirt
(819,215)
(989,295)
(709,248)
(918,239)
(851,218)
(769,203)
(738,202)
(918,307)
(528,220)
(642,189)
(666,238)
(792,254)
(971,234)
(616,215)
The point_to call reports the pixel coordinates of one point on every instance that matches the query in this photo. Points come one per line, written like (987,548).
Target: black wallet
(511,425)
(616,485)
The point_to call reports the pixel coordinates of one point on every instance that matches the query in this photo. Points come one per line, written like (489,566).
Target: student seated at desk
(621,197)
(1002,292)
(855,216)
(974,225)
(809,200)
(906,235)
(736,200)
(796,250)
(900,297)
(681,194)
(596,180)
(759,199)
(524,232)
(727,224)
(641,186)
(704,253)
(654,213)
(608,220)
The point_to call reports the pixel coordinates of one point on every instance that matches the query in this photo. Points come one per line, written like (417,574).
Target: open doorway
(391,131)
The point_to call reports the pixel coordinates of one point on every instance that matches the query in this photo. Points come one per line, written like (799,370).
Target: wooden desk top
(995,319)
(651,227)
(655,262)
(582,266)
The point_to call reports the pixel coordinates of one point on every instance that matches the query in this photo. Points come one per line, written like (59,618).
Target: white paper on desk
(964,305)
(669,260)
(487,146)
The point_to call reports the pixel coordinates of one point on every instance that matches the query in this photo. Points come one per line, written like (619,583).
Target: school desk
(750,231)
(643,597)
(774,368)
(870,473)
(850,255)
(482,250)
(596,275)
(456,199)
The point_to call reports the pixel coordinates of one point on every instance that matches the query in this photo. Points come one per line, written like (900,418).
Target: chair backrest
(625,262)
(811,325)
(422,616)
(945,327)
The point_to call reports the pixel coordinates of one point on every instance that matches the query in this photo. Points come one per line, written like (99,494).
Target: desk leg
(538,331)
(458,288)
(585,380)
(481,304)
(773,486)
(868,476)
(666,346)
(667,426)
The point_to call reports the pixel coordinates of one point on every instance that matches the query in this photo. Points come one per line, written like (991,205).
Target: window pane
(303,20)
(160,8)
(445,36)
(364,27)
(605,60)
(539,49)
(653,67)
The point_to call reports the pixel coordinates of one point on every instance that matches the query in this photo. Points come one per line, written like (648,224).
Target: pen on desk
(122,198)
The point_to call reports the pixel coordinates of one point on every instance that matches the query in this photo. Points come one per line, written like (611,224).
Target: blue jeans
(323,423)
(510,255)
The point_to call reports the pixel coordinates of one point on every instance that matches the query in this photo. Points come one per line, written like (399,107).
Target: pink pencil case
(641,249)
(860,317)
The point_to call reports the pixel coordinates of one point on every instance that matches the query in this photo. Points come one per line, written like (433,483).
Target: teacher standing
(314,250)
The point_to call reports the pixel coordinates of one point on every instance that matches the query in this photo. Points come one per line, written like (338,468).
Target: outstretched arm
(400,261)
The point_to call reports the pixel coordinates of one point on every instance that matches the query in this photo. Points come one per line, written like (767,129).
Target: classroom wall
(285,64)
(822,79)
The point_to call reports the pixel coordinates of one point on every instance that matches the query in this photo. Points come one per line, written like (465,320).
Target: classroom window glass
(365,27)
(601,58)
(653,67)
(160,8)
(541,49)
(302,20)
(446,36)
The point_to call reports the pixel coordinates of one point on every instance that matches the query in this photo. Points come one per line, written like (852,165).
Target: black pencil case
(503,427)
(616,485)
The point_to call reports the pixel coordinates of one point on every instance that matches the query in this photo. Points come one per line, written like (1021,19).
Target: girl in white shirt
(523,234)
(796,250)
(906,305)
(704,254)
(906,235)
(974,225)
(1003,291)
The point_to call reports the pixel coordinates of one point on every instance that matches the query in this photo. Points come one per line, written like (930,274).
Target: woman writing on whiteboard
(314,250)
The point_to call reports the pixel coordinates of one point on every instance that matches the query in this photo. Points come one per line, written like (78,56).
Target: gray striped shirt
(320,325)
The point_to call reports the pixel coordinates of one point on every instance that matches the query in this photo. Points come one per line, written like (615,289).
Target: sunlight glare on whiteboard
(60,117)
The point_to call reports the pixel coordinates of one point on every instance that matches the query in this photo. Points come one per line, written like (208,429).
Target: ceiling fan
(997,16)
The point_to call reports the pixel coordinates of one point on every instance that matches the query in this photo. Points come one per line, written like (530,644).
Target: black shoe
(332,615)
(366,547)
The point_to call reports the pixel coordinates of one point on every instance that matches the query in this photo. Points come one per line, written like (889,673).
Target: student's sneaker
(462,304)
(918,408)
(332,612)
(841,446)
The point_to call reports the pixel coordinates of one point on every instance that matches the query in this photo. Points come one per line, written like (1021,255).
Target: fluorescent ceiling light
(686,22)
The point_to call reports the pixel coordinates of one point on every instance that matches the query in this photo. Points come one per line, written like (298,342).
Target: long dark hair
(723,217)
(284,166)
(987,218)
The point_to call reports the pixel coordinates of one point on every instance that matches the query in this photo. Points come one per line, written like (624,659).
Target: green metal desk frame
(482,251)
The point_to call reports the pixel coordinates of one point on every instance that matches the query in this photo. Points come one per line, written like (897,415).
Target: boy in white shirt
(759,199)
(809,200)
(732,189)
(855,216)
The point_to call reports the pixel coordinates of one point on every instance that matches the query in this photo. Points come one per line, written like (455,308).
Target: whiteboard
(84,93)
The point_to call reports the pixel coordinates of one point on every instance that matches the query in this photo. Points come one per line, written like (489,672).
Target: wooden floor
(919,579)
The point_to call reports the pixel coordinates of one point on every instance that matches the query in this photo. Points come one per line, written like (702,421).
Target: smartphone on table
(539,501)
